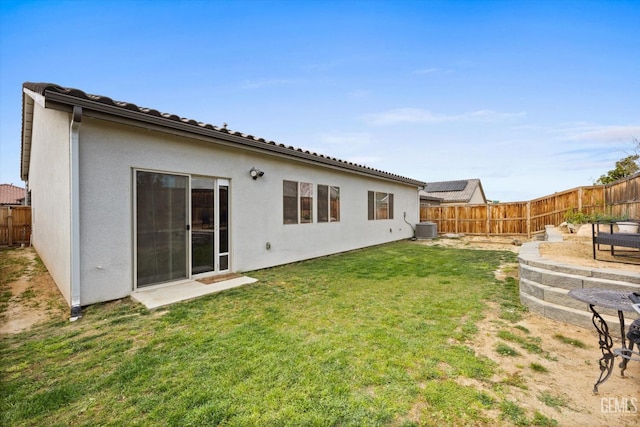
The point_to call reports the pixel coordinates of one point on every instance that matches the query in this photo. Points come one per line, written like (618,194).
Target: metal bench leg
(623,337)
(606,343)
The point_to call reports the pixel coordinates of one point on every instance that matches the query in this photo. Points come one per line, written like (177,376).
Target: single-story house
(460,192)
(125,198)
(11,195)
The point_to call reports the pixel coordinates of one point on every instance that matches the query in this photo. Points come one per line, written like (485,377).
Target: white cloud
(341,145)
(418,115)
(357,138)
(404,115)
(364,160)
(491,116)
(623,134)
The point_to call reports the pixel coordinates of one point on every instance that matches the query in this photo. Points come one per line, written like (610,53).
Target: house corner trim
(74,182)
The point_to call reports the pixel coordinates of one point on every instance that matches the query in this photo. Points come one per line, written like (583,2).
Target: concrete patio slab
(161,296)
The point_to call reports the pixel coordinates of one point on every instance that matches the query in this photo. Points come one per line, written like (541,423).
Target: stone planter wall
(544,285)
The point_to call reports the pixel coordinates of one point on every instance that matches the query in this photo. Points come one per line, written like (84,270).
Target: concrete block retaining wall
(545,284)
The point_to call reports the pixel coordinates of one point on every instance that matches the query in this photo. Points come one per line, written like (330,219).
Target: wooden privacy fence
(15,225)
(527,218)
(624,197)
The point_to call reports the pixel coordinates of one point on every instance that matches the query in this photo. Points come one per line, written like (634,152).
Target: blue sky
(532,97)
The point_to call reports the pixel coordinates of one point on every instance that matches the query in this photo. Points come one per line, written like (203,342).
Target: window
(328,203)
(290,201)
(297,202)
(306,203)
(380,205)
(334,204)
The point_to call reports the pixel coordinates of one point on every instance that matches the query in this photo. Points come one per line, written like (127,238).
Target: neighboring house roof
(10,194)
(425,198)
(460,191)
(66,99)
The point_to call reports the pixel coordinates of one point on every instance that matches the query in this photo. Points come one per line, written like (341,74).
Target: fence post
(10,227)
(528,219)
(455,210)
(579,199)
(488,219)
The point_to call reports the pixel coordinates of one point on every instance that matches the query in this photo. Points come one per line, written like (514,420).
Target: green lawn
(371,337)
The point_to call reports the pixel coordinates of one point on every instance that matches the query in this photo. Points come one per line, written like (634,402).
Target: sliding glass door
(161,227)
(181,227)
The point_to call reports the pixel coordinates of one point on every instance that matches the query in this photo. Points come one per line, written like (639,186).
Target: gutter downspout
(76,121)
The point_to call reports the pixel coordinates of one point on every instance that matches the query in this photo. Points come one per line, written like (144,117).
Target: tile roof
(10,194)
(71,96)
(459,191)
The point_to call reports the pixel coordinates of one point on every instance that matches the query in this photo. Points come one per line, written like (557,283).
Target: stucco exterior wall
(109,152)
(51,203)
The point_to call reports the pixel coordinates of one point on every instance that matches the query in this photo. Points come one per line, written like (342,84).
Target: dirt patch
(558,381)
(578,250)
(34,299)
(477,242)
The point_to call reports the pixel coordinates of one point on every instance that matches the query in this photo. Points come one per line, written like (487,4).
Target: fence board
(15,225)
(624,196)
(508,218)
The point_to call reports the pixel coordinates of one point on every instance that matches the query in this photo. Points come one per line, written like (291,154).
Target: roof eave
(27,126)
(66,102)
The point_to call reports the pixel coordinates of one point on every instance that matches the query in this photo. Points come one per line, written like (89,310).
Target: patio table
(617,300)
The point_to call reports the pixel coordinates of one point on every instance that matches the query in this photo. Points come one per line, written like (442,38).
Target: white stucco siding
(109,152)
(476,198)
(49,182)
(293,242)
(105,215)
